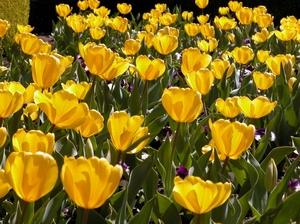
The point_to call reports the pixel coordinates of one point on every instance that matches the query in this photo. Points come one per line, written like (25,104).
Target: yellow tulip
(260,9)
(90,182)
(275,62)
(291,83)
(131,46)
(264,80)
(165,44)
(118,23)
(263,20)
(286,34)
(4,186)
(168,18)
(262,55)
(119,66)
(31,175)
(235,5)
(93,4)
(63,10)
(124,8)
(83,5)
(125,130)
(244,15)
(3,135)
(167,30)
(256,108)
(261,36)
(210,147)
(207,30)
(92,125)
(229,108)
(78,23)
(186,15)
(203,19)
(79,89)
(147,38)
(201,3)
(30,43)
(10,102)
(70,115)
(218,68)
(199,196)
(243,55)
(200,80)
(231,138)
(24,29)
(192,29)
(151,28)
(160,7)
(223,11)
(149,69)
(33,141)
(29,91)
(207,46)
(102,11)
(224,23)
(4,26)
(31,110)
(182,105)
(48,68)
(97,33)
(98,58)
(193,60)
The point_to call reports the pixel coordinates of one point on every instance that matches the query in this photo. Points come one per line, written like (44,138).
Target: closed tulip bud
(125,130)
(78,23)
(4,185)
(223,11)
(97,33)
(224,23)
(275,62)
(24,29)
(124,8)
(202,19)
(193,60)
(244,15)
(63,10)
(208,31)
(3,136)
(83,5)
(200,80)
(182,105)
(257,108)
(201,3)
(207,46)
(31,110)
(31,175)
(286,34)
(243,55)
(263,20)
(165,44)
(229,108)
(192,29)
(90,182)
(271,175)
(231,138)
(264,80)
(92,125)
(93,4)
(235,5)
(149,69)
(33,141)
(291,83)
(131,46)
(79,89)
(71,115)
(219,67)
(118,23)
(262,55)
(4,26)
(187,15)
(199,196)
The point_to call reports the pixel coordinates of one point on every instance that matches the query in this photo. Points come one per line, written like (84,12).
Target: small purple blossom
(166,131)
(181,171)
(247,41)
(125,167)
(293,183)
(261,132)
(66,213)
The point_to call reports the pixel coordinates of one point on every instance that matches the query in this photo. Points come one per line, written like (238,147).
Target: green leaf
(150,184)
(93,217)
(144,215)
(134,100)
(65,147)
(53,207)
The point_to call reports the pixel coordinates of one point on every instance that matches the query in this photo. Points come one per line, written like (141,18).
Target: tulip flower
(92,125)
(256,108)
(124,130)
(147,38)
(31,175)
(151,28)
(165,44)
(63,10)
(201,3)
(223,11)
(167,18)
(124,8)
(33,141)
(78,23)
(219,67)
(4,26)
(244,15)
(193,60)
(187,15)
(263,20)
(131,46)
(102,11)
(160,7)
(79,89)
(149,69)
(31,110)
(93,4)
(90,182)
(243,55)
(4,185)
(119,66)
(48,68)
(119,24)
(199,196)
(200,80)
(231,138)
(207,46)
(182,105)
(83,5)
(62,108)
(29,91)
(264,80)
(167,30)
(24,29)
(229,107)
(192,29)
(11,102)
(30,43)
(286,34)
(235,5)
(275,62)
(203,19)
(224,23)
(3,135)
(97,33)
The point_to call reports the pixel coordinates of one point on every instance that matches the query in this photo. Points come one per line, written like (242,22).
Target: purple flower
(166,131)
(125,167)
(262,131)
(247,41)
(181,171)
(293,183)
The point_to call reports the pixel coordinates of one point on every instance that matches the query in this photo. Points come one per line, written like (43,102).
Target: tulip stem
(174,141)
(1,121)
(224,165)
(92,91)
(85,216)
(143,98)
(197,218)
(24,212)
